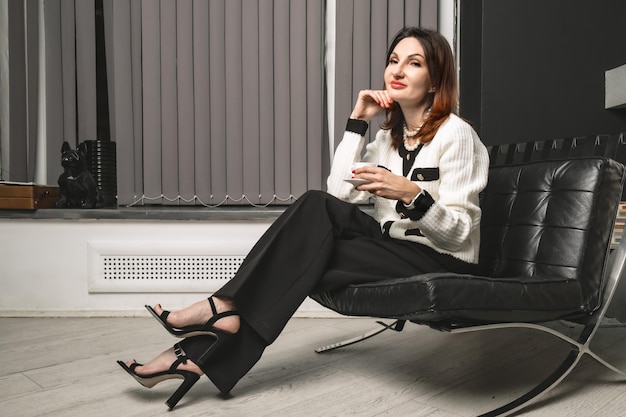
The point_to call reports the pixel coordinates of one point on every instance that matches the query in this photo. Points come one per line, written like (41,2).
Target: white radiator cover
(166,266)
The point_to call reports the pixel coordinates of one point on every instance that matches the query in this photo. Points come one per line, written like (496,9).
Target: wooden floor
(66,367)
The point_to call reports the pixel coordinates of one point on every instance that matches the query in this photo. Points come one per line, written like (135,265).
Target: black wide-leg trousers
(319,243)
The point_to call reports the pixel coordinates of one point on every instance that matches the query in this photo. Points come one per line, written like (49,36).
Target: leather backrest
(551,218)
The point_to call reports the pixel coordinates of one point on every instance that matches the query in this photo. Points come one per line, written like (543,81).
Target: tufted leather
(545,238)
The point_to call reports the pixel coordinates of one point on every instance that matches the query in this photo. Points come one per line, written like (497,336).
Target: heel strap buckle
(180,354)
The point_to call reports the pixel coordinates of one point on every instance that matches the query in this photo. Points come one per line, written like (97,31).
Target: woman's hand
(370,103)
(386,184)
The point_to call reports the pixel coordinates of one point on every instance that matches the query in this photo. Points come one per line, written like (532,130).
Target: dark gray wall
(534,70)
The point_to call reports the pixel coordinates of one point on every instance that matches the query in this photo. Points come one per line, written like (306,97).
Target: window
(210,102)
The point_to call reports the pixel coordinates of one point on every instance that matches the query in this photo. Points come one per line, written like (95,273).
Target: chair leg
(549,383)
(606,364)
(543,388)
(578,349)
(397,326)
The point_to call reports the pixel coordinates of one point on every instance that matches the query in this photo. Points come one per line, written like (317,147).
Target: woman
(427,168)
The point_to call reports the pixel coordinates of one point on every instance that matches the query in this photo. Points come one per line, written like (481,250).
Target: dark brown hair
(444,100)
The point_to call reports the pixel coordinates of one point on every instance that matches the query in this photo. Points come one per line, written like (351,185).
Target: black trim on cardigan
(421,205)
(357,126)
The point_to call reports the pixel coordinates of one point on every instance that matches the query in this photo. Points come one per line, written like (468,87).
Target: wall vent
(158,268)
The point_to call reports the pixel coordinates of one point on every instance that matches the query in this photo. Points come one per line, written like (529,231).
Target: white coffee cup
(362,164)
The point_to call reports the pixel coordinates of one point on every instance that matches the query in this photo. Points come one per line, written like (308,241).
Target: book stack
(618,230)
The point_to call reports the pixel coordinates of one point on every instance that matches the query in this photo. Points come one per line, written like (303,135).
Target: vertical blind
(217,102)
(224,101)
(52,84)
(70,78)
(211,101)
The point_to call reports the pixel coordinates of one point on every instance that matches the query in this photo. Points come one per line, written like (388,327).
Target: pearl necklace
(412,133)
(405,138)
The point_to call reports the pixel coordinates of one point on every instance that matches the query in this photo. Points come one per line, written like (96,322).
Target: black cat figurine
(77,187)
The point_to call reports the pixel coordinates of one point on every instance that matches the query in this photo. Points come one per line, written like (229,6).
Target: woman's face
(406,76)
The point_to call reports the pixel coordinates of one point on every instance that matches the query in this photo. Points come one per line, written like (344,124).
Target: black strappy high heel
(194,330)
(149,381)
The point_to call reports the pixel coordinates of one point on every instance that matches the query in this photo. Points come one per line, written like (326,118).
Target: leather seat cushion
(445,297)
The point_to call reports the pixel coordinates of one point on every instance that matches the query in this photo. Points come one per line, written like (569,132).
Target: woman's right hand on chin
(370,103)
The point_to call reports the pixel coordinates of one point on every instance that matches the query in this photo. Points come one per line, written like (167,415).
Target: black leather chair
(545,242)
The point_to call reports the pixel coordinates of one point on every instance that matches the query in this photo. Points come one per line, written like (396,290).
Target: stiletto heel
(194,330)
(149,381)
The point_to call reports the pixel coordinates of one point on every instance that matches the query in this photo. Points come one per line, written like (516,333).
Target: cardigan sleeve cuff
(418,208)
(357,126)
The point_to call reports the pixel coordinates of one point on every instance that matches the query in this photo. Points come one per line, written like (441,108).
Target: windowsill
(199,213)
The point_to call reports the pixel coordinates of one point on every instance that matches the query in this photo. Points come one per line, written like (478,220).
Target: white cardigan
(452,224)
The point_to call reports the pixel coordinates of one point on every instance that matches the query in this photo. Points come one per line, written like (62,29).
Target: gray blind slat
(379,41)
(32,50)
(202,146)
(412,13)
(14,163)
(217,74)
(298,94)
(234,98)
(266,101)
(429,14)
(151,93)
(395,17)
(86,70)
(68,72)
(136,64)
(186,114)
(250,105)
(169,101)
(315,95)
(282,104)
(119,38)
(361,52)
(344,66)
(54,127)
